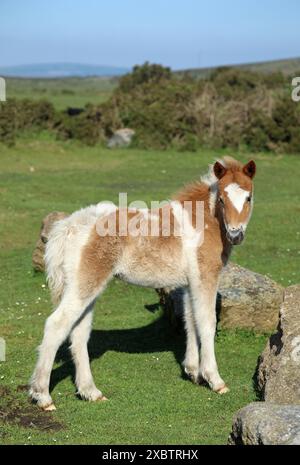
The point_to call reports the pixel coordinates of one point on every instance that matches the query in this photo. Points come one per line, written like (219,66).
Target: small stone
(121,138)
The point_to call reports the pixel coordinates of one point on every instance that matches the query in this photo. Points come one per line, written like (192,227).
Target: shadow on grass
(158,336)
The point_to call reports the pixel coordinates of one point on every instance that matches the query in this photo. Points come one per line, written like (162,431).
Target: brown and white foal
(80,262)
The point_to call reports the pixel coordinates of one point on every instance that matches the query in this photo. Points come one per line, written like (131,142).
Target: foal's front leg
(203,298)
(191,360)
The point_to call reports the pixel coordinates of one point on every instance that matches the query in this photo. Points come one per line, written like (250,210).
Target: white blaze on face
(236,195)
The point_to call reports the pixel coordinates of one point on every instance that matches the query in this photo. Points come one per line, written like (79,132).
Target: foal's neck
(227,246)
(200,191)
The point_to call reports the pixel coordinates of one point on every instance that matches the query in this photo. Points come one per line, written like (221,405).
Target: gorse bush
(7,123)
(85,126)
(159,113)
(19,115)
(145,74)
(231,108)
(234,84)
(279,132)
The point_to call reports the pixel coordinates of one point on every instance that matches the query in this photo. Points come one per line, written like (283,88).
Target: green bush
(38,114)
(85,126)
(146,73)
(278,132)
(8,123)
(231,108)
(285,119)
(256,132)
(160,112)
(234,83)
(19,115)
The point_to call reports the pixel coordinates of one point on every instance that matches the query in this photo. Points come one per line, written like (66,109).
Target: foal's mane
(207,185)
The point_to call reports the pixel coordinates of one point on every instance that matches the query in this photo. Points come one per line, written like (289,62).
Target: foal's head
(235,196)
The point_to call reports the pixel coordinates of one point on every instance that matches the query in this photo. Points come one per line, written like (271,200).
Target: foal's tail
(54,259)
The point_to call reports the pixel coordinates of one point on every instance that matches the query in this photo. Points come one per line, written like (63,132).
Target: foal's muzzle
(235,235)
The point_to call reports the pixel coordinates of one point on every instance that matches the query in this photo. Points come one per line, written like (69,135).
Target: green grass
(135,355)
(62,92)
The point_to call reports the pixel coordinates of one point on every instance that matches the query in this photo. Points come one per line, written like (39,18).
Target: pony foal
(80,262)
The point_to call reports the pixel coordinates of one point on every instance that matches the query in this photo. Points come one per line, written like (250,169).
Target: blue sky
(177,33)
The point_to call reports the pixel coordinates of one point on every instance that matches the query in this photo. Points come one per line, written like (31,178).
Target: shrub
(85,126)
(231,108)
(7,123)
(256,134)
(39,114)
(233,83)
(146,73)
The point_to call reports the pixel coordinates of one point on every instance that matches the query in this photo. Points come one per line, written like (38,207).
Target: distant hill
(67,70)
(61,70)
(286,66)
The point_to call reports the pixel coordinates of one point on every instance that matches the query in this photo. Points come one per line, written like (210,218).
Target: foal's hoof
(192,374)
(101,398)
(222,390)
(48,408)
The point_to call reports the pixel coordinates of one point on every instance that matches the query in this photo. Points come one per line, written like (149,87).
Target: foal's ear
(219,170)
(250,169)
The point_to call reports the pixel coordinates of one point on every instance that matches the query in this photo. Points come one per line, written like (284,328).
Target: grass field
(135,355)
(63,93)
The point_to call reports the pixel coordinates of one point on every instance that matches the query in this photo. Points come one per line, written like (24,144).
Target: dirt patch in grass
(22,413)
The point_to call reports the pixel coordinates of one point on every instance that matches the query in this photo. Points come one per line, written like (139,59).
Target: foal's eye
(249,198)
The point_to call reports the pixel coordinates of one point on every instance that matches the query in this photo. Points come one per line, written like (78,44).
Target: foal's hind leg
(79,339)
(57,329)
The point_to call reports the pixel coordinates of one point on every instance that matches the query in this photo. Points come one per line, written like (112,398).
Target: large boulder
(245,300)
(279,366)
(248,300)
(39,250)
(266,424)
(121,138)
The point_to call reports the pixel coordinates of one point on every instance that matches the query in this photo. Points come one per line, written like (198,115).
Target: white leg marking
(57,329)
(79,339)
(191,361)
(203,304)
